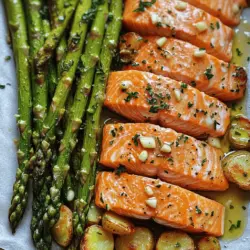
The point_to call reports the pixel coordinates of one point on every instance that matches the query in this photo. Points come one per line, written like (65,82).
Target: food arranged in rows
(170,74)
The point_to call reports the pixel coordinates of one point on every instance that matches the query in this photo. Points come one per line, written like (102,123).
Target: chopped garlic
(125,84)
(155,18)
(161,41)
(166,148)
(148,142)
(201,26)
(181,5)
(151,202)
(199,52)
(70,195)
(143,156)
(214,142)
(149,191)
(209,121)
(177,94)
(236,9)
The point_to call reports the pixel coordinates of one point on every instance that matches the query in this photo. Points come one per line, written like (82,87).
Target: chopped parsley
(177,245)
(217,25)
(197,210)
(239,53)
(183,85)
(135,139)
(7,58)
(235,226)
(203,161)
(121,169)
(131,95)
(208,73)
(113,132)
(212,26)
(2,86)
(143,5)
(190,104)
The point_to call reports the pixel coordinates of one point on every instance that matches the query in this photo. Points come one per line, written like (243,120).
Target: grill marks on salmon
(187,162)
(158,99)
(174,206)
(228,12)
(176,59)
(164,19)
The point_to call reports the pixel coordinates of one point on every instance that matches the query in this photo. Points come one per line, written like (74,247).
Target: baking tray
(8,162)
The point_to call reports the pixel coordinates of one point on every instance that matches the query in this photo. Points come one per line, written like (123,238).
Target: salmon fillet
(186,162)
(176,207)
(176,60)
(229,12)
(158,99)
(163,19)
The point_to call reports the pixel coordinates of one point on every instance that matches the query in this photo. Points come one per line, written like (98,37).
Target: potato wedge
(236,167)
(97,238)
(141,239)
(239,132)
(94,215)
(117,224)
(62,231)
(175,240)
(208,243)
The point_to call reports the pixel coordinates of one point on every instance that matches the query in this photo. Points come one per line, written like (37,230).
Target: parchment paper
(8,163)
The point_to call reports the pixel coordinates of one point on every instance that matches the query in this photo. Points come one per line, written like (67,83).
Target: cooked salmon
(176,59)
(158,99)
(175,158)
(170,205)
(163,18)
(228,12)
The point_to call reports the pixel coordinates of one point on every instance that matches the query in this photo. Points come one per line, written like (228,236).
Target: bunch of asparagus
(63,53)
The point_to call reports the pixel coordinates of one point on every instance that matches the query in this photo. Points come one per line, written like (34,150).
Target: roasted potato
(117,224)
(62,231)
(94,214)
(96,238)
(239,132)
(236,167)
(141,239)
(175,240)
(208,243)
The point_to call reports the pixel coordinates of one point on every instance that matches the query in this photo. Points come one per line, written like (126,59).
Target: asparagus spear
(46,52)
(41,233)
(17,25)
(39,85)
(53,11)
(42,181)
(61,49)
(79,30)
(57,7)
(89,60)
(90,145)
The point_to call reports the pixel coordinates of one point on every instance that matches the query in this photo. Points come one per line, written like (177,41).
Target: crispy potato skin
(62,231)
(236,167)
(173,240)
(141,239)
(208,243)
(96,238)
(117,224)
(239,132)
